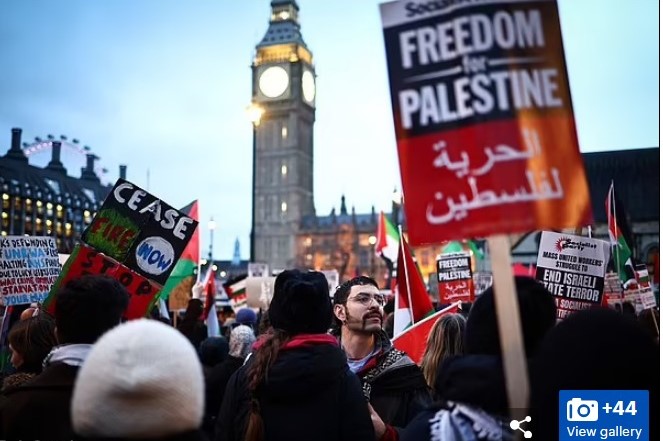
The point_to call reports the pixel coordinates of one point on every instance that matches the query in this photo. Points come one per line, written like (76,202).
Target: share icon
(515,425)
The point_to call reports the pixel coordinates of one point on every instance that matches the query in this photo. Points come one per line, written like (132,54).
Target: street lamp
(254,112)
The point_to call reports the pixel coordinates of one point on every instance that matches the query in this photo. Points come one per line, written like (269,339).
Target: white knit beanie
(142,379)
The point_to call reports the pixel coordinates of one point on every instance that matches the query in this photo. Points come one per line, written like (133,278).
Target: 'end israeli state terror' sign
(573,270)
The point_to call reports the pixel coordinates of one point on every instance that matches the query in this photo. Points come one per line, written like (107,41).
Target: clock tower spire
(284,89)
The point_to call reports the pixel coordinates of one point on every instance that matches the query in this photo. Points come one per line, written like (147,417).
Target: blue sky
(163,86)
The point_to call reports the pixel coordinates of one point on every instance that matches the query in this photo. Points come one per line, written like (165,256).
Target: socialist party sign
(483,118)
(140,231)
(572,268)
(454,278)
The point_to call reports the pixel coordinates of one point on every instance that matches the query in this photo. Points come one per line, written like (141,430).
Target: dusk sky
(162,86)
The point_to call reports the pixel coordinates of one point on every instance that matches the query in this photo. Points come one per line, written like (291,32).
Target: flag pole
(615,246)
(405,271)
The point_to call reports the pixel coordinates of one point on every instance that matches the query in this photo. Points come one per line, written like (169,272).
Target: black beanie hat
(301,303)
(537,316)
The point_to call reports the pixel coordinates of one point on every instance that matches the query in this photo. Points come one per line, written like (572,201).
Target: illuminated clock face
(273,81)
(308,86)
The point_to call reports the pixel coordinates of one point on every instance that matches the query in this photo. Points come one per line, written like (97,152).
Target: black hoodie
(308,394)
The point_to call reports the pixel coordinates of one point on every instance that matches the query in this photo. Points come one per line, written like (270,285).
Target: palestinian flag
(621,251)
(412,303)
(413,340)
(183,276)
(236,291)
(387,239)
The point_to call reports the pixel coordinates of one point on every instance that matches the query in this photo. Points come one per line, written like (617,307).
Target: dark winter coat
(216,380)
(394,384)
(40,408)
(192,325)
(473,403)
(195,435)
(309,394)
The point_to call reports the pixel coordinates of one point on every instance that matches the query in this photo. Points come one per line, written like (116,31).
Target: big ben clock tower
(284,90)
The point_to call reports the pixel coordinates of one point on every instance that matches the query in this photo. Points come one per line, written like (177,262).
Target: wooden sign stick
(508,323)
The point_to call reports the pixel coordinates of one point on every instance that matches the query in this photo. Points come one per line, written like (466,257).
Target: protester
(593,350)
(212,351)
(247,317)
(650,322)
(391,381)
(142,380)
(192,325)
(471,388)
(85,308)
(241,341)
(445,340)
(30,341)
(296,385)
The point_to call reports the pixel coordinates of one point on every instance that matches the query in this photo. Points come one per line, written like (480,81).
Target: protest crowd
(321,368)
(487,150)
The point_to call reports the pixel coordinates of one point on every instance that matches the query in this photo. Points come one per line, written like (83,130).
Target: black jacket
(309,394)
(394,384)
(215,388)
(477,380)
(40,408)
(472,403)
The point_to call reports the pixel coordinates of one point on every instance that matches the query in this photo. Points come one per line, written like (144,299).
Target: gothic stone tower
(284,87)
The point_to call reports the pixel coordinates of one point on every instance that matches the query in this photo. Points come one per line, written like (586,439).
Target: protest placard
(454,278)
(572,268)
(140,231)
(85,260)
(483,119)
(612,289)
(29,266)
(258,269)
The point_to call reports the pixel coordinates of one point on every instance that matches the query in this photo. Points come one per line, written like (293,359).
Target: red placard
(86,260)
(483,117)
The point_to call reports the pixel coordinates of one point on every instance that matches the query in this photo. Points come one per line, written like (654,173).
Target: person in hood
(391,381)
(296,385)
(473,402)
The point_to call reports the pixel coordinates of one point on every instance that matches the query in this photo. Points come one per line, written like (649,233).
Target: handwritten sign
(29,265)
(140,231)
(572,268)
(483,119)
(86,260)
(454,278)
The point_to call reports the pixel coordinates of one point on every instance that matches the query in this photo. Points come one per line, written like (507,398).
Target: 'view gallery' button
(603,414)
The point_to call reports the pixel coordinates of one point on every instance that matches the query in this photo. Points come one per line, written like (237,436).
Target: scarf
(72,355)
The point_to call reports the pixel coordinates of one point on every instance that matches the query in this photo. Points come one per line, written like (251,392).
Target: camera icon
(578,409)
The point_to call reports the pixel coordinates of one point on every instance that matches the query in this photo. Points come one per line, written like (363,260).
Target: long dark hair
(263,358)
(33,338)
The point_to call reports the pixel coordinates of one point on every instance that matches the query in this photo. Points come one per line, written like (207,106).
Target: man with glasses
(392,382)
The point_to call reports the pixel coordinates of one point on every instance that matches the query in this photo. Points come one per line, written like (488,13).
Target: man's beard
(362,324)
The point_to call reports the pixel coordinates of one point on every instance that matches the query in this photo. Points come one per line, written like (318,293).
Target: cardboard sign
(29,265)
(647,297)
(612,289)
(483,119)
(257,269)
(333,280)
(454,278)
(572,268)
(140,231)
(85,260)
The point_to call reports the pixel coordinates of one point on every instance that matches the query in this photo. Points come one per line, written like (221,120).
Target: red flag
(210,292)
(413,303)
(413,340)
